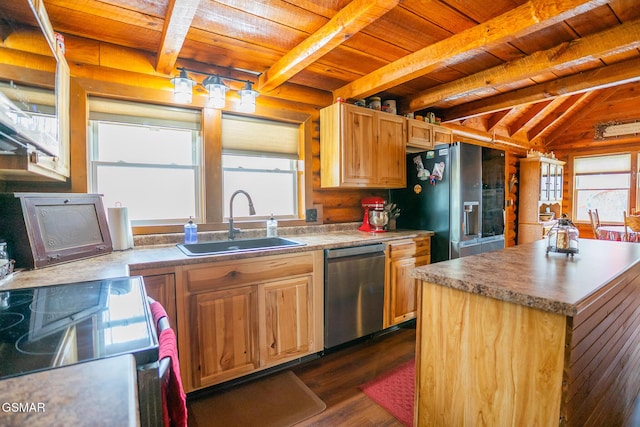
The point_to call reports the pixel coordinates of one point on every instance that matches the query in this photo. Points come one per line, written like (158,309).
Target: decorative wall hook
(512,183)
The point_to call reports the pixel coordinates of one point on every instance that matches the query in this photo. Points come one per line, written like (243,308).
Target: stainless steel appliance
(353,293)
(45,327)
(457,191)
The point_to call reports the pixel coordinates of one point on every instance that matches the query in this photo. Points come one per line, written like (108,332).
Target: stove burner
(9,320)
(33,348)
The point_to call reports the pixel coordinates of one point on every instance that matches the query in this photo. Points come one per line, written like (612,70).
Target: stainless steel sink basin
(240,245)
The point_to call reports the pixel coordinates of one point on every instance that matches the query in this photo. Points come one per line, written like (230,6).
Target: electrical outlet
(311,215)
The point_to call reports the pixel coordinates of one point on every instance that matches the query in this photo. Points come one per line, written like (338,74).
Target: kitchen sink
(240,245)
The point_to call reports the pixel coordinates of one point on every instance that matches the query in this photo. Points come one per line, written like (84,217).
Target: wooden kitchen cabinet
(284,309)
(160,285)
(424,136)
(30,163)
(249,314)
(540,188)
(401,290)
(162,288)
(225,329)
(361,148)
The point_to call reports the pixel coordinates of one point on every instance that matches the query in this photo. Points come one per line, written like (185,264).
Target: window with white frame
(603,183)
(260,157)
(146,158)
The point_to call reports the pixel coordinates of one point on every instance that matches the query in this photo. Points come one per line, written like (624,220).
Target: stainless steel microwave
(45,229)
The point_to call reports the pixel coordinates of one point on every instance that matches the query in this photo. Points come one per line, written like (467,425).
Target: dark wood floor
(335,378)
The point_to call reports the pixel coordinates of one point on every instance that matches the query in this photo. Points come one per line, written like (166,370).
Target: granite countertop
(526,275)
(121,263)
(100,392)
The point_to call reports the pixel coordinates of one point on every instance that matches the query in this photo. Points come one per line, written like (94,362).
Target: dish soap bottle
(190,232)
(272,227)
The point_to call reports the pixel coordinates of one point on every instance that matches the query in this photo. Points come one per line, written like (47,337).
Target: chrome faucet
(233,231)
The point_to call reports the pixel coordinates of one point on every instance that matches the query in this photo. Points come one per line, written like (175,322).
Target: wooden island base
(501,350)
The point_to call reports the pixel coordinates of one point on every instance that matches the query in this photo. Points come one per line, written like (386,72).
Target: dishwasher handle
(355,250)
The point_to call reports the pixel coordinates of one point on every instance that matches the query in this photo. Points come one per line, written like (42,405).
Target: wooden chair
(631,222)
(595,222)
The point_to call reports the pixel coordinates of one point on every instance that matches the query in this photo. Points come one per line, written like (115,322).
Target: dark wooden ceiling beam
(599,78)
(564,56)
(520,21)
(494,119)
(351,19)
(530,111)
(588,102)
(180,14)
(551,116)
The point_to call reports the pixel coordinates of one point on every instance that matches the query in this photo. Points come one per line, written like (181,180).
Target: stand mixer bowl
(378,219)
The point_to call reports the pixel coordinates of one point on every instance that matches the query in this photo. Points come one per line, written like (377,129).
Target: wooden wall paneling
(511,211)
(212,153)
(78,120)
(615,104)
(591,372)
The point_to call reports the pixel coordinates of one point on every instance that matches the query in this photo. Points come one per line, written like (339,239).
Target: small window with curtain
(146,158)
(603,183)
(260,157)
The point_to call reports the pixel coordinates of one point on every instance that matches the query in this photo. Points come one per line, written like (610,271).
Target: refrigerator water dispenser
(471,215)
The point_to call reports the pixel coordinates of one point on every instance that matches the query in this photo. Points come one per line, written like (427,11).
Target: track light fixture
(217,90)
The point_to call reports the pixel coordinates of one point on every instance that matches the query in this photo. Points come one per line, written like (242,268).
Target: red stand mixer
(375,217)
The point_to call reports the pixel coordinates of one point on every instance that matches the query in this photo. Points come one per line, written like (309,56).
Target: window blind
(112,110)
(249,135)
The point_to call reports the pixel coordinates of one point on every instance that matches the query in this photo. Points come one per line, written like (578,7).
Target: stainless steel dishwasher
(353,292)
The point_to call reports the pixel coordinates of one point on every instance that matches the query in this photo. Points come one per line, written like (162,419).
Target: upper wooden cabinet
(540,188)
(424,136)
(45,69)
(361,148)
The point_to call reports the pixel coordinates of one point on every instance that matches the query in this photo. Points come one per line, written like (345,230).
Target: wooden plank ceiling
(524,72)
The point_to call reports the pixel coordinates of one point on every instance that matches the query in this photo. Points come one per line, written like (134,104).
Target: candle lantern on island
(563,237)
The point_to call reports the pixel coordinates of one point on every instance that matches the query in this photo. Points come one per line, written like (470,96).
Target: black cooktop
(50,326)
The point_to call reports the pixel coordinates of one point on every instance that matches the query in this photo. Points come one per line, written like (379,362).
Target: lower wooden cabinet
(249,314)
(224,328)
(162,288)
(401,290)
(284,312)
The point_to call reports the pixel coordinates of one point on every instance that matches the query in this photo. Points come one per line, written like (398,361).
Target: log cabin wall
(91,77)
(528,73)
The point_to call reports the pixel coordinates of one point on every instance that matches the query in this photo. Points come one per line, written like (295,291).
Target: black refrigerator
(457,191)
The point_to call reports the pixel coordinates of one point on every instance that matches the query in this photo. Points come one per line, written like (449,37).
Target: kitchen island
(520,337)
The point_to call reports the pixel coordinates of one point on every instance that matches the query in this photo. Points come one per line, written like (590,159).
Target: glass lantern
(563,237)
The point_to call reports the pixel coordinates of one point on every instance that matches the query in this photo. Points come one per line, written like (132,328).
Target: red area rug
(394,391)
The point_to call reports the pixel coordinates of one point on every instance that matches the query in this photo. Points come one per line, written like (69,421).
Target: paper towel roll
(120,228)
